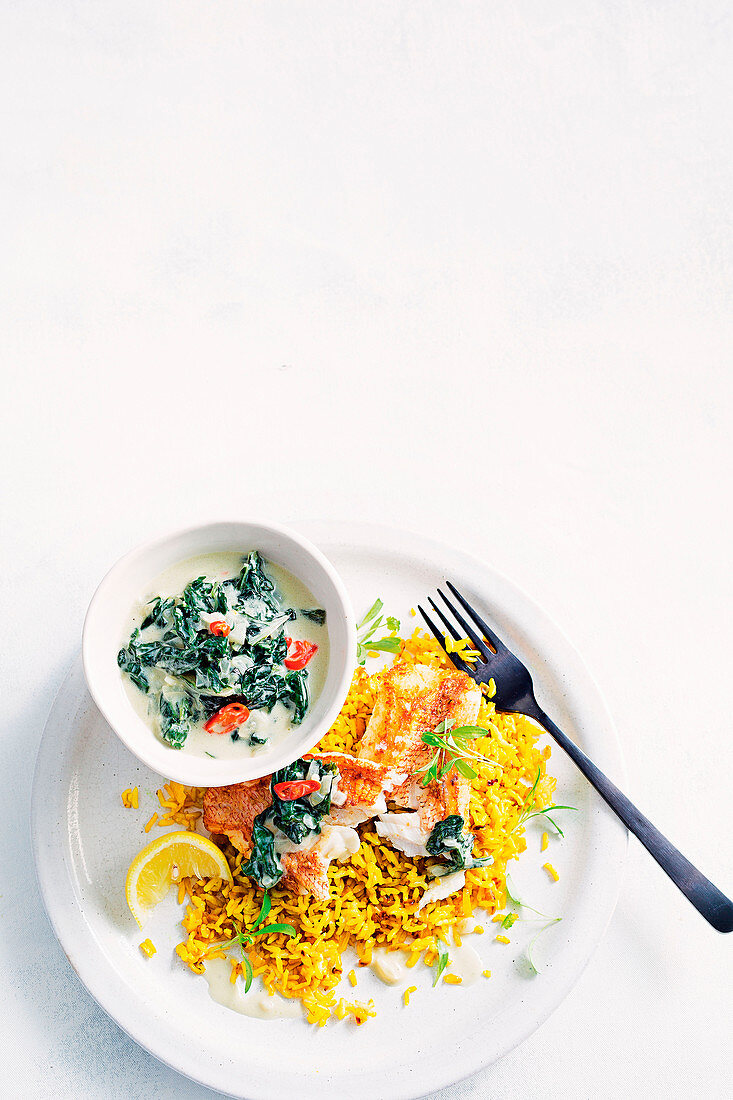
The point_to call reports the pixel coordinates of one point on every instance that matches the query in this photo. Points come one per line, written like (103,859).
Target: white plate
(84,840)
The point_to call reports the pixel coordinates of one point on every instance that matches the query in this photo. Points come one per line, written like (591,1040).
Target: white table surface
(459,267)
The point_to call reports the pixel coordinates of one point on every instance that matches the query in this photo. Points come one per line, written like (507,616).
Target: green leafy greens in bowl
(211,655)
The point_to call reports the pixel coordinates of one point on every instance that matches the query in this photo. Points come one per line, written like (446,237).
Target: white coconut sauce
(290,592)
(388,965)
(465,963)
(261,1005)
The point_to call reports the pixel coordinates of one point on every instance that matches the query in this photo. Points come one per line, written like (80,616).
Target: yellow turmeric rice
(374,896)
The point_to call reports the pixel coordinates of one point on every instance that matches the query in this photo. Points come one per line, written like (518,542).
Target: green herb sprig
(441,962)
(367,628)
(452,750)
(246,939)
(530,809)
(533,941)
(511,918)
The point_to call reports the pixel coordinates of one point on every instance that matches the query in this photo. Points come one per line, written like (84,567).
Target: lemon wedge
(164,862)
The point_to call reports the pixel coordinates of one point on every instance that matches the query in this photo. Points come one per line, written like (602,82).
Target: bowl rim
(191,769)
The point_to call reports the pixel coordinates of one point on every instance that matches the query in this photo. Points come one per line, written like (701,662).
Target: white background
(459,267)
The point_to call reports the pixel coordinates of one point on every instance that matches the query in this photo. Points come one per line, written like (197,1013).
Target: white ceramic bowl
(111,607)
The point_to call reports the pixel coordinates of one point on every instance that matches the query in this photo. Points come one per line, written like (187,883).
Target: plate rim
(64,914)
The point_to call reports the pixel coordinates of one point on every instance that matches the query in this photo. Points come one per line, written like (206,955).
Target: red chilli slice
(299,654)
(295,788)
(219,628)
(227,719)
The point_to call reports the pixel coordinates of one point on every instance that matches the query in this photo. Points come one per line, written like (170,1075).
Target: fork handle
(709,901)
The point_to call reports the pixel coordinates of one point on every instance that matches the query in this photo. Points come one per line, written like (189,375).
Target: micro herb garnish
(367,628)
(518,901)
(510,919)
(286,929)
(532,942)
(530,811)
(248,972)
(246,939)
(452,750)
(509,894)
(264,909)
(441,962)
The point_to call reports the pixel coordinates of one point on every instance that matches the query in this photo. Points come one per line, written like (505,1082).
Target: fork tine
(457,661)
(477,642)
(487,631)
(446,622)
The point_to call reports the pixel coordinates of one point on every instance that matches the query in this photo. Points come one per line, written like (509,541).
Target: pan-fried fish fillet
(362,785)
(412,699)
(359,780)
(231,811)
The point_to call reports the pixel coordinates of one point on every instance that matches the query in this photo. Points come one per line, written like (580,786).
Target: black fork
(515,694)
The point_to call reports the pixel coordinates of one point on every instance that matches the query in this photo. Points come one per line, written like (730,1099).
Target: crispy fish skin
(360,780)
(231,810)
(440,799)
(412,699)
(307,873)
